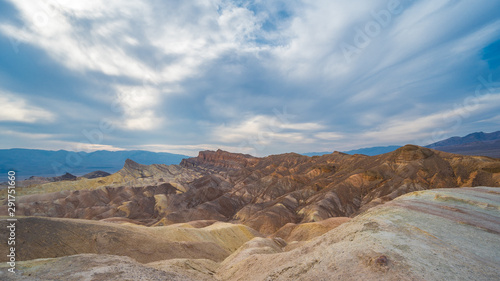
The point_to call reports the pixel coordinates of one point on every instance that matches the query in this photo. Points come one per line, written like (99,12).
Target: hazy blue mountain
(479,143)
(470,138)
(46,163)
(310,154)
(372,151)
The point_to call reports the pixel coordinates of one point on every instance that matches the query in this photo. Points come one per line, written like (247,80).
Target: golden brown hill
(266,193)
(306,231)
(54,237)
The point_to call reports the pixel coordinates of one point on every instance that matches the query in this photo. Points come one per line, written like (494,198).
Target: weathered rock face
(442,234)
(96,174)
(89,267)
(263,193)
(219,159)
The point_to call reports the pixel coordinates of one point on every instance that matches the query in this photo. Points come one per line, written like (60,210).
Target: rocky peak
(68,176)
(134,169)
(411,152)
(129,163)
(220,159)
(96,174)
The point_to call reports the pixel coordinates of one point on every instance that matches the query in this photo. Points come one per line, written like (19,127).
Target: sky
(258,77)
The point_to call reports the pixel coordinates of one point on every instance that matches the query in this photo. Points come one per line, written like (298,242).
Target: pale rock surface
(89,267)
(443,234)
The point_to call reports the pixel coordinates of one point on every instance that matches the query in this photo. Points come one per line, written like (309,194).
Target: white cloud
(192,149)
(329,136)
(91,36)
(316,34)
(263,130)
(79,146)
(309,126)
(23,135)
(426,129)
(17,109)
(52,26)
(137,104)
(181,37)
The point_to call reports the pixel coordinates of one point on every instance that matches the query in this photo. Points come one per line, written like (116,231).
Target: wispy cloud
(266,129)
(431,128)
(20,110)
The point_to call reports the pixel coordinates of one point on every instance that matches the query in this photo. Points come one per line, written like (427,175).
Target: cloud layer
(259,77)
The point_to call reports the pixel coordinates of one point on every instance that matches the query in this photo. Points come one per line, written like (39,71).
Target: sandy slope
(90,267)
(51,237)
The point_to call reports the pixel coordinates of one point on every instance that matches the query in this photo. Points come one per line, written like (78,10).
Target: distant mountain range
(370,151)
(484,144)
(479,143)
(45,163)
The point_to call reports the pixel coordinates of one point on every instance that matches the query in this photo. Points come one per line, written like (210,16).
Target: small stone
(382,261)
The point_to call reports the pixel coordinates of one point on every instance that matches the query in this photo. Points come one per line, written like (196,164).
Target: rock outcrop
(96,174)
(219,159)
(89,267)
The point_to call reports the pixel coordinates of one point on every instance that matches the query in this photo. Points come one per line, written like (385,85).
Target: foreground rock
(445,234)
(89,267)
(197,269)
